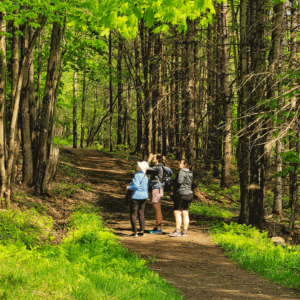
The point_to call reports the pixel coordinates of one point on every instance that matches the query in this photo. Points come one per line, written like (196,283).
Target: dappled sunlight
(194,264)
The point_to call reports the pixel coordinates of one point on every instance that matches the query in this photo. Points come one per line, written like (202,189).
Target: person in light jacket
(182,198)
(139,186)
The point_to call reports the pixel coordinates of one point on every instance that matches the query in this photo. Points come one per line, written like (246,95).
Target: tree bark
(75,110)
(48,99)
(226,178)
(110,95)
(4,188)
(27,169)
(139,108)
(243,142)
(120,91)
(83,100)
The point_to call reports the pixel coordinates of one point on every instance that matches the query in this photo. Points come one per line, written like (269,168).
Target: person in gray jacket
(182,198)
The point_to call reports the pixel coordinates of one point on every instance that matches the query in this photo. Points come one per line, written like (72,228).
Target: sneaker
(175,233)
(156,231)
(184,233)
(134,235)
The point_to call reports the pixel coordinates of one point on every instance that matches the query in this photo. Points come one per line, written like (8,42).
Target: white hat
(143,165)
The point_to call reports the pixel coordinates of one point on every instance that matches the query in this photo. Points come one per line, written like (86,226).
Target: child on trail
(182,198)
(139,186)
(156,188)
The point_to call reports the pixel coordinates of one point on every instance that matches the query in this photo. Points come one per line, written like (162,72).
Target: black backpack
(167,180)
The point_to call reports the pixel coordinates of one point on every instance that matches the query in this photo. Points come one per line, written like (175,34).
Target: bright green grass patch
(90,264)
(254,251)
(210,211)
(27,228)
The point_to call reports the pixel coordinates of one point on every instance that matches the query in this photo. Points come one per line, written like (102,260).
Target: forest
(216,82)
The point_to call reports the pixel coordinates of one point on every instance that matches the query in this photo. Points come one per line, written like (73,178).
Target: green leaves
(149,17)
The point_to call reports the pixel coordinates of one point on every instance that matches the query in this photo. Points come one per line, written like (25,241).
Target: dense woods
(214,81)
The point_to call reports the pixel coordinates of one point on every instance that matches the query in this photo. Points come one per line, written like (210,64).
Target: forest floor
(194,265)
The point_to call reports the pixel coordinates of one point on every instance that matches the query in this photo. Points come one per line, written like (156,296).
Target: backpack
(167,180)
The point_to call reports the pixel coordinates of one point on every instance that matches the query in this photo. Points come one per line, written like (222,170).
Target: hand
(127,187)
(150,156)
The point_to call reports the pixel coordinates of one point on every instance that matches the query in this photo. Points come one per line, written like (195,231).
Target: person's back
(139,185)
(184,182)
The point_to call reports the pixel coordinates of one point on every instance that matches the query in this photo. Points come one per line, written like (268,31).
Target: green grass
(252,250)
(210,210)
(89,264)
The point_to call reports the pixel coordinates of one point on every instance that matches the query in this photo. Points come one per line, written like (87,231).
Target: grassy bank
(89,264)
(252,249)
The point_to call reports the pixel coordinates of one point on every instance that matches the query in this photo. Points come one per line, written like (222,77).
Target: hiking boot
(184,233)
(156,231)
(175,233)
(134,235)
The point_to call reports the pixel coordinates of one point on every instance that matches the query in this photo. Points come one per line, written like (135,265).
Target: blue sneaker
(156,231)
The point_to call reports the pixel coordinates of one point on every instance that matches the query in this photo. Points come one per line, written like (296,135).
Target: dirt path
(194,265)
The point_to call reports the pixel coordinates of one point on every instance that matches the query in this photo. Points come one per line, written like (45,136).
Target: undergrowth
(254,251)
(89,264)
(210,210)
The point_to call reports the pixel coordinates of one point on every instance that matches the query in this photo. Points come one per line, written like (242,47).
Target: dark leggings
(137,206)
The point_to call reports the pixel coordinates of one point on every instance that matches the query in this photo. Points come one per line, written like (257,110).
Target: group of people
(143,188)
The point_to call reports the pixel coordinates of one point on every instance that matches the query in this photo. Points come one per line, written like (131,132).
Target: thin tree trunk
(120,100)
(110,95)
(139,108)
(75,110)
(32,107)
(40,68)
(83,100)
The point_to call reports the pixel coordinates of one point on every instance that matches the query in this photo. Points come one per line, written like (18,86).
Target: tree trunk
(120,91)
(4,188)
(83,100)
(139,108)
(110,95)
(188,96)
(48,99)
(27,169)
(208,134)
(225,180)
(276,61)
(257,138)
(294,104)
(75,110)
(243,142)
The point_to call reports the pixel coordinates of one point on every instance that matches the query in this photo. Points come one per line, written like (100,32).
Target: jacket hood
(188,173)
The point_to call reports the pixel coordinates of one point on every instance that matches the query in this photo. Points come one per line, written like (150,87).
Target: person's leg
(133,215)
(156,202)
(178,220)
(141,215)
(186,221)
(158,214)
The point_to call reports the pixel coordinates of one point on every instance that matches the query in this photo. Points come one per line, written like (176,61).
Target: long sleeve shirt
(139,185)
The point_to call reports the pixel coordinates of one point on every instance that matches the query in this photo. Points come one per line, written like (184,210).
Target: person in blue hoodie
(182,198)
(139,186)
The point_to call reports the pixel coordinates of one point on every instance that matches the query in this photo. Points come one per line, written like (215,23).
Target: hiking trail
(194,265)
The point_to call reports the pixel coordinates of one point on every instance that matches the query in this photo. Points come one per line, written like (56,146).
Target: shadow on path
(194,264)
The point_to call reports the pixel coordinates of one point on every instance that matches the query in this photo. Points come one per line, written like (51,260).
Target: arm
(180,178)
(135,183)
